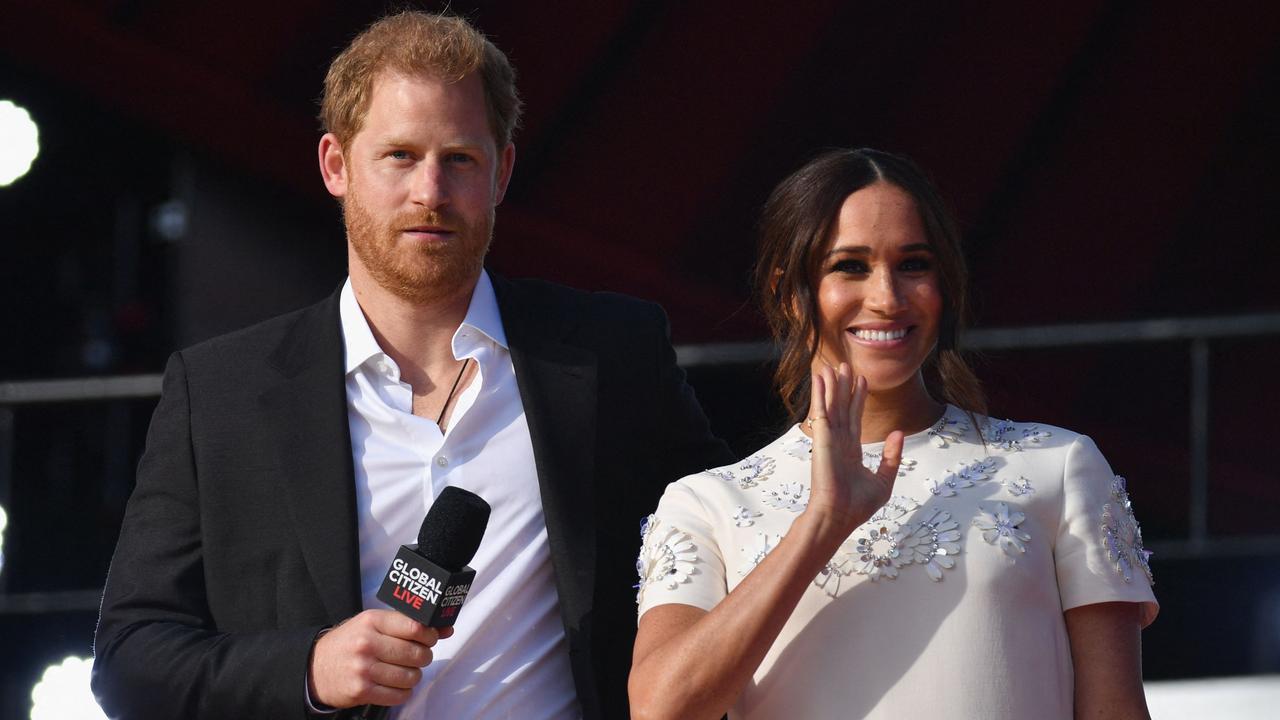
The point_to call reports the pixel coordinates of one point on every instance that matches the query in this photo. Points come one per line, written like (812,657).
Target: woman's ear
(789,305)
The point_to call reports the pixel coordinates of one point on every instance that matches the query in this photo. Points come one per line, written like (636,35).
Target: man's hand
(374,658)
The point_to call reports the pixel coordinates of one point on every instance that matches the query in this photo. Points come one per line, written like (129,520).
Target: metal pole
(1199,450)
(6,476)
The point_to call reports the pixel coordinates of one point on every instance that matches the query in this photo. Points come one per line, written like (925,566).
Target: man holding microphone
(287,462)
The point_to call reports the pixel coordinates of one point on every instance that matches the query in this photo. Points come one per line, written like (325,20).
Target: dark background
(1108,161)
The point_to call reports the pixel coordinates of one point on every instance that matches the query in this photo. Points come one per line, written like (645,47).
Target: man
(286,462)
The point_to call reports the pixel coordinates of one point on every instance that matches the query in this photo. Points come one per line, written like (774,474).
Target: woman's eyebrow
(866,250)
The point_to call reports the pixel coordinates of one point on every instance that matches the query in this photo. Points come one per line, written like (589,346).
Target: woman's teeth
(880,335)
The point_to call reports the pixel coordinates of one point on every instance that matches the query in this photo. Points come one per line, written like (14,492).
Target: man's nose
(430,184)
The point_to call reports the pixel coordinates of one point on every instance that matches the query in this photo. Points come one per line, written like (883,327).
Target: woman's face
(879,295)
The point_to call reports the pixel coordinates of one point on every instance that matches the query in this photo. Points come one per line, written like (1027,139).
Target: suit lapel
(307,412)
(557,384)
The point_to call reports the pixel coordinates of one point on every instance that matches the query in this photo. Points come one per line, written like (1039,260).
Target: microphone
(428,581)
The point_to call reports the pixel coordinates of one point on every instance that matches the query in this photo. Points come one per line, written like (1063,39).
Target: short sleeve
(680,561)
(1099,554)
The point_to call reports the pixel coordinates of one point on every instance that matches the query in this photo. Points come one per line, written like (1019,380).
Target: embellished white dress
(947,603)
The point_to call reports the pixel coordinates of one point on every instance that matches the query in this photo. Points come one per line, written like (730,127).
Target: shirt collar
(357,339)
(482,317)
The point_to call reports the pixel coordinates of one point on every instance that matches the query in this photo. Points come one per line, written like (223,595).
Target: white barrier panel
(1238,698)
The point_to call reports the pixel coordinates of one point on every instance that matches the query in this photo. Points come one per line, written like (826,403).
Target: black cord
(452,390)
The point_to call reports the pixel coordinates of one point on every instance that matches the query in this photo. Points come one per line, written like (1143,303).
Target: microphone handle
(372,712)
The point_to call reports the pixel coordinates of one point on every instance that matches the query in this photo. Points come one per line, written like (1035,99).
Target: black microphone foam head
(452,530)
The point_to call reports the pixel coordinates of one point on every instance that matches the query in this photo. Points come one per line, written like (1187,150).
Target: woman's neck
(908,408)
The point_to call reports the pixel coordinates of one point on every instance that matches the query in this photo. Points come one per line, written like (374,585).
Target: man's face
(420,182)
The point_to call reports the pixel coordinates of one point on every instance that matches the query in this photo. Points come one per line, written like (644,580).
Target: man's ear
(333,165)
(506,163)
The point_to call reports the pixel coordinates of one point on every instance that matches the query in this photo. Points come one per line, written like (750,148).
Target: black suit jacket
(239,543)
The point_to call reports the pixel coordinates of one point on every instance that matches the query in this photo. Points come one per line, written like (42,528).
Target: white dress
(947,603)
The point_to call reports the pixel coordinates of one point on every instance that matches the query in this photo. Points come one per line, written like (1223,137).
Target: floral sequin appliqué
(965,476)
(877,552)
(1000,527)
(1122,536)
(1019,487)
(791,496)
(667,556)
(743,516)
(948,430)
(933,543)
(801,448)
(748,473)
(1006,436)
(889,542)
(756,551)
(871,460)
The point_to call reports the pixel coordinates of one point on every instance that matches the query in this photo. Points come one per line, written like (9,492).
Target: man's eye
(398,154)
(459,158)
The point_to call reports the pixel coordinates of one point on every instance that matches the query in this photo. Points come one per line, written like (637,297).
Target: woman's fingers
(840,484)
(836,412)
(817,397)
(831,387)
(856,403)
(892,458)
(816,422)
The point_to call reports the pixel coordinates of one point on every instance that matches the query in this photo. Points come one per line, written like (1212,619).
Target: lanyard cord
(452,390)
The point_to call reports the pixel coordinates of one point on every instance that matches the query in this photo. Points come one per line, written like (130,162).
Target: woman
(896,553)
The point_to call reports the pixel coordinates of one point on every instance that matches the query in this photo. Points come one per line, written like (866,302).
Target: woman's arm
(1106,653)
(689,663)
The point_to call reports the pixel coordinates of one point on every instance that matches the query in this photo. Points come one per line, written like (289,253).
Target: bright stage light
(4,521)
(63,693)
(19,142)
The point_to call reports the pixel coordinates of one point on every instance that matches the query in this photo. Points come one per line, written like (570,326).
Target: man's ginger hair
(412,43)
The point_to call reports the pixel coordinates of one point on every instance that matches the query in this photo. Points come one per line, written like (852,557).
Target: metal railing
(93,389)
(1197,332)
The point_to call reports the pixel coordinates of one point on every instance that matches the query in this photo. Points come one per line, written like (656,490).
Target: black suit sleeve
(158,650)
(689,443)
(653,433)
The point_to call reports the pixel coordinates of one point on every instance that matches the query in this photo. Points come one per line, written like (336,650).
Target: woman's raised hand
(842,490)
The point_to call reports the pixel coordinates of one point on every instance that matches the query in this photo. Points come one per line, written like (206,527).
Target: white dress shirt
(508,656)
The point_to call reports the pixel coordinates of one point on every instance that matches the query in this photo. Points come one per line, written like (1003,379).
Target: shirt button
(442,461)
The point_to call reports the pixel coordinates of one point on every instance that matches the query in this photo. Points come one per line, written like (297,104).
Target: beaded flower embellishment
(667,556)
(1122,536)
(1006,436)
(1000,527)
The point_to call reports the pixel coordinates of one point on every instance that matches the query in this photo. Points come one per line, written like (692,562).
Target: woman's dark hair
(795,229)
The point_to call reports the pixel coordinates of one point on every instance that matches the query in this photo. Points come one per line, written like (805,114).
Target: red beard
(416,272)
